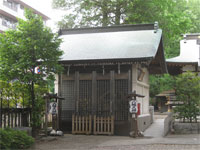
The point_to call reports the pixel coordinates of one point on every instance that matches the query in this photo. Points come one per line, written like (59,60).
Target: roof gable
(131,43)
(110,45)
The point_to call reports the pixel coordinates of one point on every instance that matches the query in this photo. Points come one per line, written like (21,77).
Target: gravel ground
(85,142)
(150,147)
(91,142)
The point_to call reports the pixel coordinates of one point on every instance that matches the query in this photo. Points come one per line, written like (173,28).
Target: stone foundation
(186,128)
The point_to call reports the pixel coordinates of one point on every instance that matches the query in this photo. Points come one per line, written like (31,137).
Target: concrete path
(156,130)
(153,140)
(85,142)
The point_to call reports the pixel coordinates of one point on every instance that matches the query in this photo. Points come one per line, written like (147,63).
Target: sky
(44,6)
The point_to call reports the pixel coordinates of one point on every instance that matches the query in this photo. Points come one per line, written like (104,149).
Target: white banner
(133,106)
(53,108)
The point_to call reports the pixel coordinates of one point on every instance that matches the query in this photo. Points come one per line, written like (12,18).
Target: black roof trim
(114,28)
(106,60)
(181,63)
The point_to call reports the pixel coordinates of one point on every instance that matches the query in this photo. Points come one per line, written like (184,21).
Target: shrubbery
(187,88)
(14,139)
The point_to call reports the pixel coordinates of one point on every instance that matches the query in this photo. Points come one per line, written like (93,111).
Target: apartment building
(10,10)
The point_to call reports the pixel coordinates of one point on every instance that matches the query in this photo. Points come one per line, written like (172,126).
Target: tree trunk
(34,119)
(117,14)
(104,13)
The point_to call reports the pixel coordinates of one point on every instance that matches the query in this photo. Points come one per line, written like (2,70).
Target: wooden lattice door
(121,103)
(84,103)
(103,98)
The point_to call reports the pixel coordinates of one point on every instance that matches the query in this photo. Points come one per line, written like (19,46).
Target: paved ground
(149,142)
(156,129)
(84,142)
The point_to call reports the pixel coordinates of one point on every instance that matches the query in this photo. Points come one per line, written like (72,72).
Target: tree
(24,50)
(160,83)
(193,8)
(187,89)
(175,17)
(92,12)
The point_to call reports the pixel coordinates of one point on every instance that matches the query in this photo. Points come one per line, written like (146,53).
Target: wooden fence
(81,124)
(87,124)
(104,125)
(15,117)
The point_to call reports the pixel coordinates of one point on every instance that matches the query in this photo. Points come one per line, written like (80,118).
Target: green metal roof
(111,43)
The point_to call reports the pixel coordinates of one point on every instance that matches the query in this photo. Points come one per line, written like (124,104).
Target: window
(9,22)
(10,4)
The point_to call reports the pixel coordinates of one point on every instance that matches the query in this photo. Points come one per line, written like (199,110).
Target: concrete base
(144,121)
(186,128)
(28,130)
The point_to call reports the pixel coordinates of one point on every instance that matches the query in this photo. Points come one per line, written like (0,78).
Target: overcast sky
(44,6)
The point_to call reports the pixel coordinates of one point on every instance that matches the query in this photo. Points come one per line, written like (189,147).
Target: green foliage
(193,8)
(39,107)
(14,139)
(14,94)
(187,88)
(160,83)
(32,45)
(175,17)
(92,13)
(23,50)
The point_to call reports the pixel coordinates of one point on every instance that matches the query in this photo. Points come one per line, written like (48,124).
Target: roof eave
(105,61)
(181,63)
(114,28)
(158,64)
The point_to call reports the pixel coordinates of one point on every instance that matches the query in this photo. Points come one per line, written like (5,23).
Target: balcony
(2,27)
(11,5)
(6,24)
(10,10)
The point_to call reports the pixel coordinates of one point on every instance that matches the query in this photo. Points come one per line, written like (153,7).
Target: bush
(188,91)
(14,139)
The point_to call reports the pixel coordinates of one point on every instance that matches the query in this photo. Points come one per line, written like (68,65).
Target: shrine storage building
(102,65)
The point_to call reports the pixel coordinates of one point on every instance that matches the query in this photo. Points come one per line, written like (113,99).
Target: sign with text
(53,108)
(133,106)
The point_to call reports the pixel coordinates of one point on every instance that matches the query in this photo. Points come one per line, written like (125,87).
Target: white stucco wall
(56,83)
(188,68)
(141,87)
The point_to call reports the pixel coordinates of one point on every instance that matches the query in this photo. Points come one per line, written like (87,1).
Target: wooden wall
(101,92)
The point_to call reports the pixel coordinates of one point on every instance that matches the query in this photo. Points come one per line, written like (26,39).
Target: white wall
(56,83)
(188,68)
(141,87)
(189,50)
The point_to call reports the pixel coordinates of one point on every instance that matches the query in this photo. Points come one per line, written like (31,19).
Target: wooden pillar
(94,92)
(59,113)
(134,77)
(112,92)
(133,87)
(46,115)
(59,103)
(76,91)
(129,82)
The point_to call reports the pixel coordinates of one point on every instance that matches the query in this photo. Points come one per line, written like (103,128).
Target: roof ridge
(114,28)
